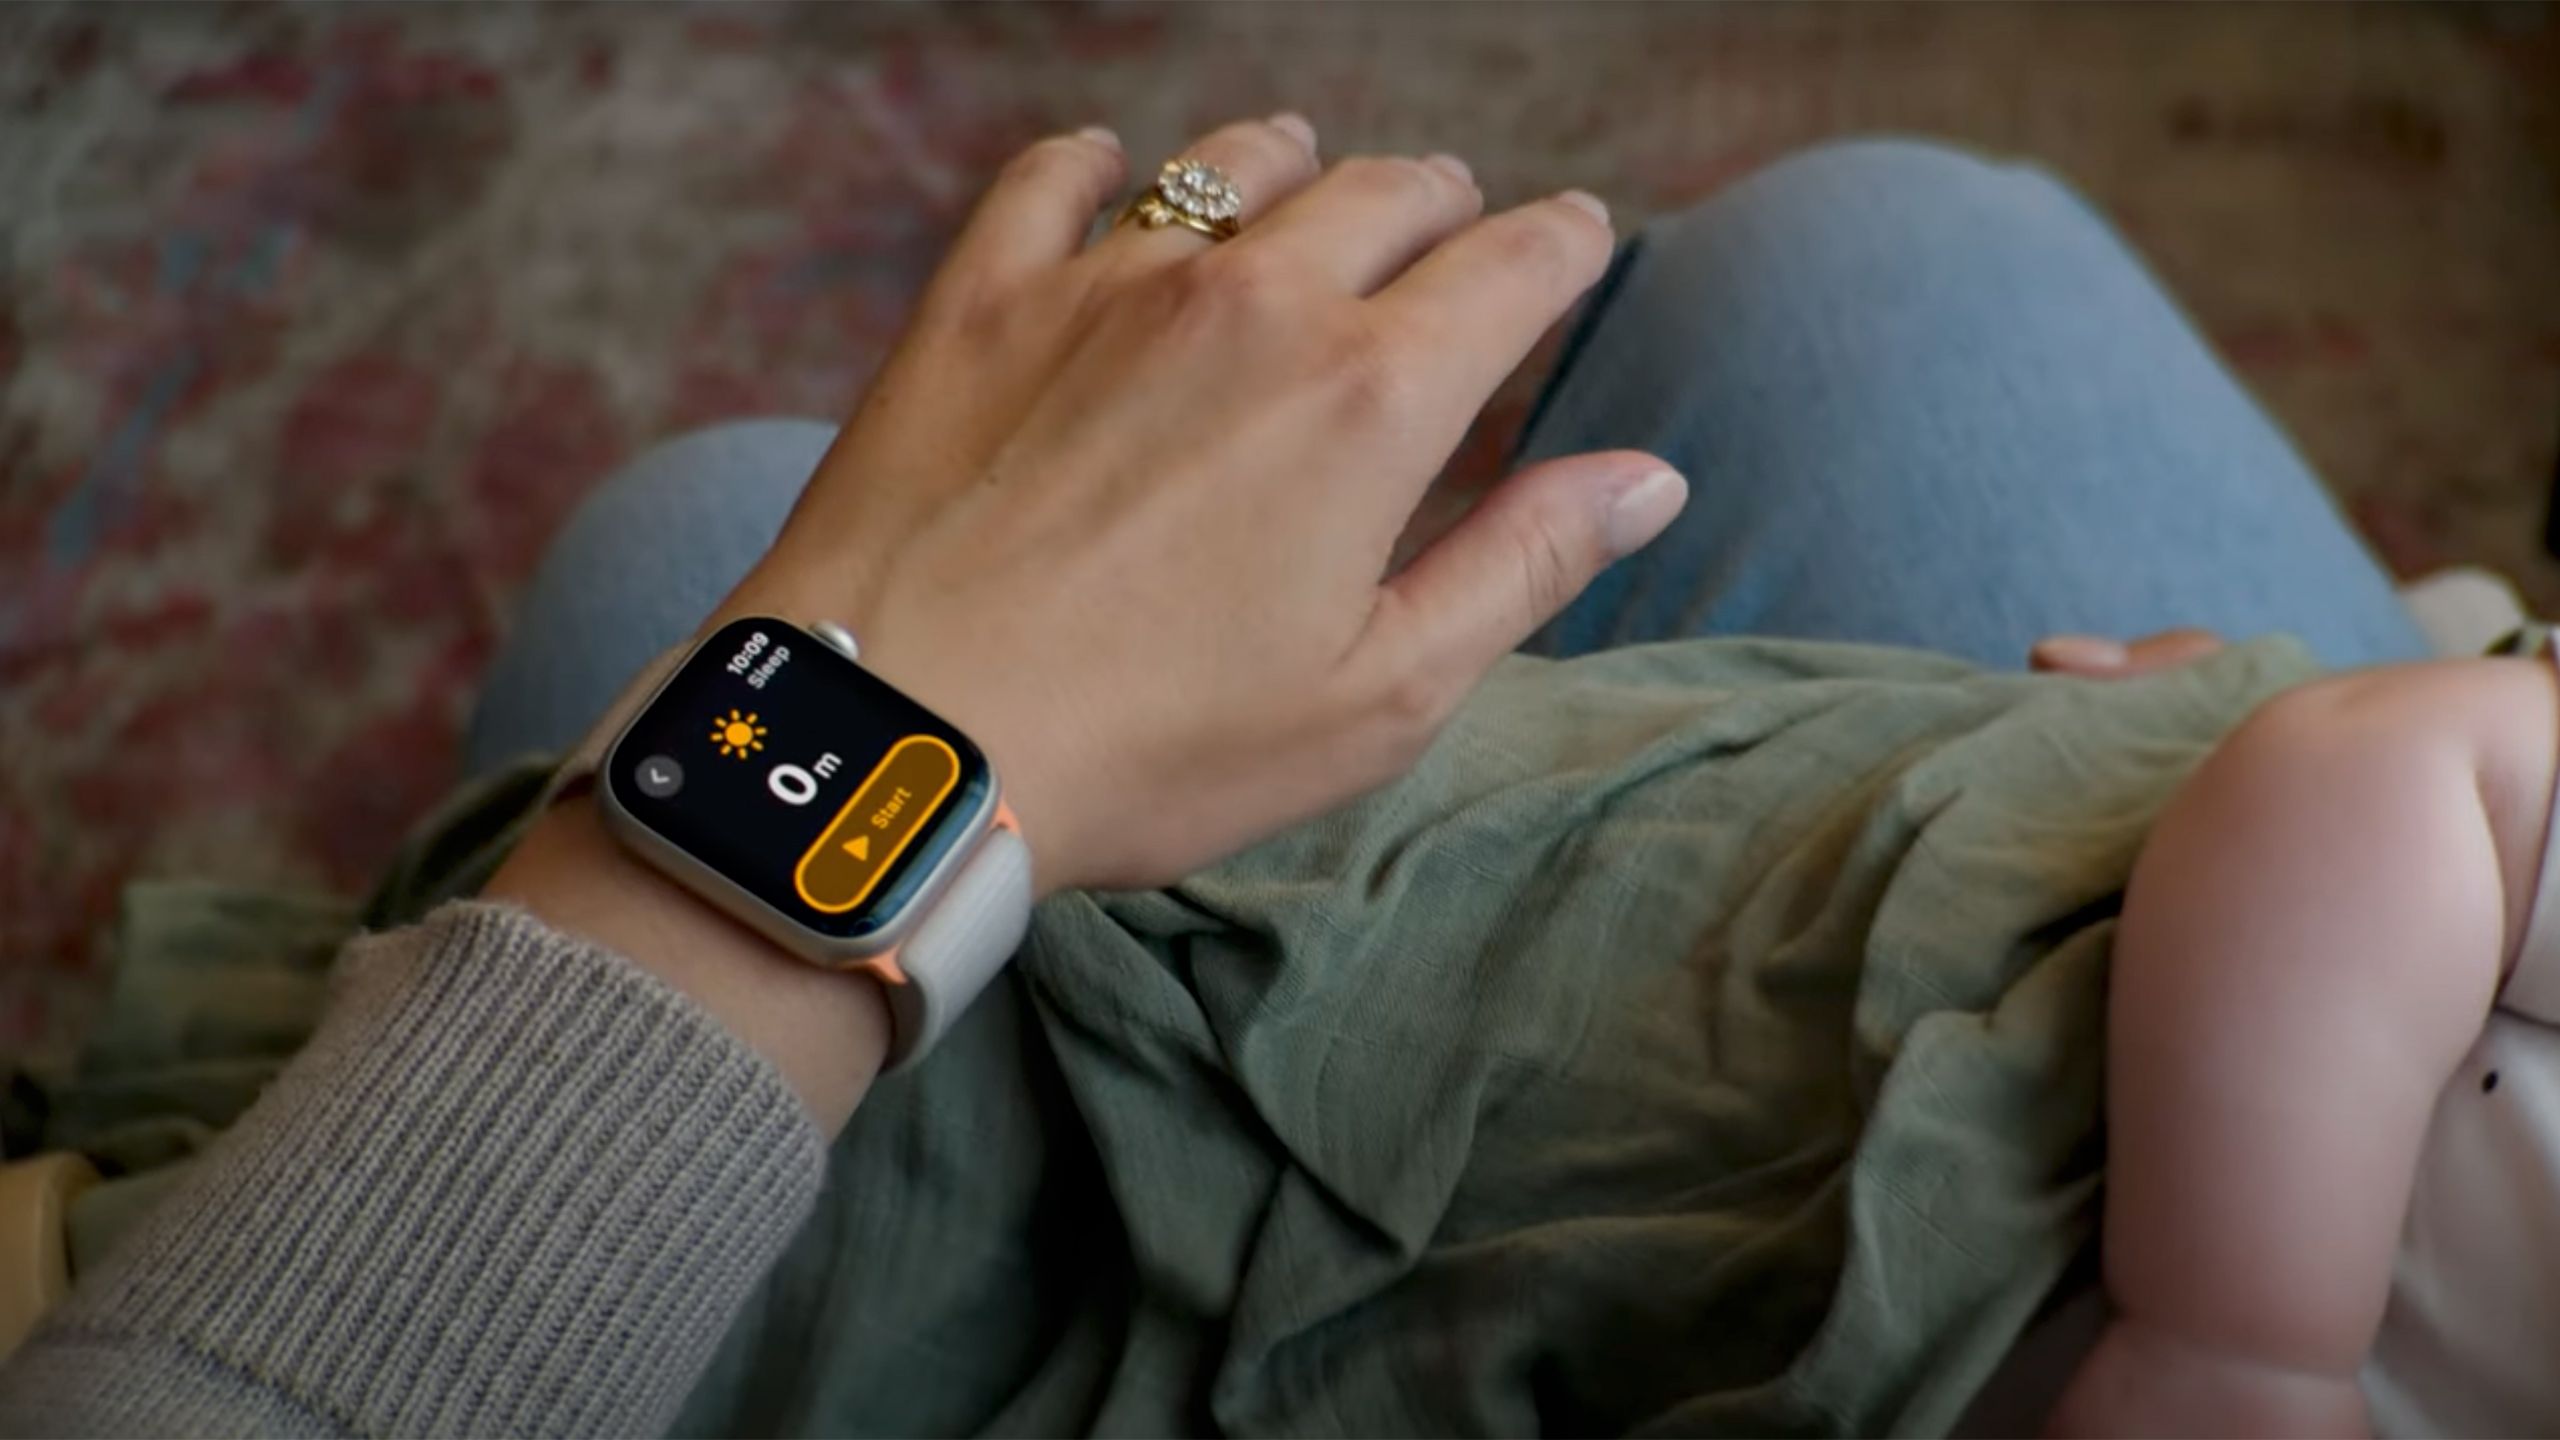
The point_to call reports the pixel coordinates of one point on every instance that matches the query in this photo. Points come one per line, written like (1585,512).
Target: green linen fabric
(1705,1037)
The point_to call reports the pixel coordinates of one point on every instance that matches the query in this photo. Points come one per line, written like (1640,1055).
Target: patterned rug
(317,320)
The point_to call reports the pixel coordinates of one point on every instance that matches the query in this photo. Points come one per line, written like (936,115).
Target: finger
(1040,207)
(1474,306)
(2100,658)
(1269,160)
(1369,218)
(2077,655)
(1519,557)
(2169,649)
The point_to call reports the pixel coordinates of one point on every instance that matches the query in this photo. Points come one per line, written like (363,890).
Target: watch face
(791,770)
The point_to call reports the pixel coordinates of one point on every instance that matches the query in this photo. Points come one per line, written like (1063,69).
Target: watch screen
(791,770)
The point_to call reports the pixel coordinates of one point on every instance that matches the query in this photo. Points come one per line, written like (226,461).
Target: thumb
(1522,554)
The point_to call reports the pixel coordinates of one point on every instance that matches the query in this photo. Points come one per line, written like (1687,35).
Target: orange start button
(874,828)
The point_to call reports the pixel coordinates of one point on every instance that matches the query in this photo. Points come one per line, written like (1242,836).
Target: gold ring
(1193,194)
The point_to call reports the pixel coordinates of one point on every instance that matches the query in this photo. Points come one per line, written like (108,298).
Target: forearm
(2311,940)
(514,1186)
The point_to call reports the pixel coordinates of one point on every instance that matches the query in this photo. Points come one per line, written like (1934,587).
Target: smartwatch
(768,772)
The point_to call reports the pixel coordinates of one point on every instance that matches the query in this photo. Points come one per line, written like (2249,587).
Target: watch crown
(838,639)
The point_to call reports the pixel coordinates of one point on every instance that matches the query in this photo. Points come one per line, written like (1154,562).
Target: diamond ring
(1191,193)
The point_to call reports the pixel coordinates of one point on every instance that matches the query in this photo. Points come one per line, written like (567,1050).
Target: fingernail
(1100,135)
(1296,127)
(1588,203)
(1641,510)
(2082,652)
(1451,166)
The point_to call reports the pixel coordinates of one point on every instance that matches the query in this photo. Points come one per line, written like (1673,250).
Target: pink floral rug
(317,320)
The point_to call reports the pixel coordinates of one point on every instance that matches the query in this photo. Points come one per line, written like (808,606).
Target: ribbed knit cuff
(515,1186)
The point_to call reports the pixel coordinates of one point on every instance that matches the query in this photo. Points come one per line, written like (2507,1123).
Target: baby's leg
(2312,939)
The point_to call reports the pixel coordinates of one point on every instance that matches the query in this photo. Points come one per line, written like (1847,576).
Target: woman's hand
(1124,511)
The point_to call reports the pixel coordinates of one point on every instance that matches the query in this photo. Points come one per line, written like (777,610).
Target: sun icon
(737,735)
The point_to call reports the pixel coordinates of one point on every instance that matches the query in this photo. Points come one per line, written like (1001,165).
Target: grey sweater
(515,1186)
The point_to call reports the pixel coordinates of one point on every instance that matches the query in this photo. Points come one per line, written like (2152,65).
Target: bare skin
(1125,512)
(2312,941)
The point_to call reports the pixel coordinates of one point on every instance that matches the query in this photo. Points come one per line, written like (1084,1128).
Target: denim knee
(1899,169)
(635,569)
(1868,195)
(737,475)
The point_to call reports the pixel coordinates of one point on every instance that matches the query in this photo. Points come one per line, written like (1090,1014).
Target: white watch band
(970,930)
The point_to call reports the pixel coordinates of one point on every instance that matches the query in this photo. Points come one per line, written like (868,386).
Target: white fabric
(2471,1344)
(2465,610)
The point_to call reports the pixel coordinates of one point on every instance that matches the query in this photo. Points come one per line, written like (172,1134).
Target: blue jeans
(1922,399)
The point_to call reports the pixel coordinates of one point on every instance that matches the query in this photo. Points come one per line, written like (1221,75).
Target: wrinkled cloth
(512,1185)
(216,987)
(1704,1037)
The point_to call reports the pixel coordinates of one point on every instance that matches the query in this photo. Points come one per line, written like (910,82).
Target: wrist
(2141,1379)
(953,677)
(826,1031)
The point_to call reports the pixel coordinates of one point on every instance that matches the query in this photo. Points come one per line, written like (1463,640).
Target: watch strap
(974,927)
(972,930)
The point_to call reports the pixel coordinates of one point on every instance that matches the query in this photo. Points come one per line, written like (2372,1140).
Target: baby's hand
(2143,1381)
(2095,657)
